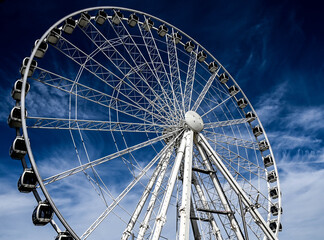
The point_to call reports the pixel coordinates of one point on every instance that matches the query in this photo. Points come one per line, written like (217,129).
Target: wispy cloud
(287,141)
(309,118)
(295,133)
(16,210)
(300,160)
(75,198)
(290,126)
(302,203)
(271,104)
(7,103)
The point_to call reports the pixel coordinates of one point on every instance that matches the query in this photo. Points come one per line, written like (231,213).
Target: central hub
(194,121)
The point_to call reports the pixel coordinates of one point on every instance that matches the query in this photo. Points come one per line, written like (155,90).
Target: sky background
(274,50)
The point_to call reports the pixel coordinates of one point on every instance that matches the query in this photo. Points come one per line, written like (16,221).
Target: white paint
(194,121)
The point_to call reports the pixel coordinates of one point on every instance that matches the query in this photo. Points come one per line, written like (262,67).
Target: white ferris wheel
(135,131)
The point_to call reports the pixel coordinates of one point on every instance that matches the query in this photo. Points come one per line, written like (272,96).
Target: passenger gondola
(201,56)
(212,67)
(271,176)
(16,89)
(268,161)
(117,17)
(42,214)
(274,209)
(132,20)
(84,19)
(54,36)
(189,46)
(223,78)
(69,25)
(233,90)
(263,145)
(27,181)
(177,37)
(257,130)
(250,116)
(273,225)
(14,119)
(31,69)
(242,103)
(162,31)
(18,148)
(41,50)
(101,17)
(274,192)
(148,24)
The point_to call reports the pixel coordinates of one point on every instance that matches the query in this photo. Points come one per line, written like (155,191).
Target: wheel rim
(153,109)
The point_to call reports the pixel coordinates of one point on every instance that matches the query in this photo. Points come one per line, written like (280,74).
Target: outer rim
(24,126)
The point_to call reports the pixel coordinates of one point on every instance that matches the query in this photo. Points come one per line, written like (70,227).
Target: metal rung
(181,179)
(200,219)
(213,211)
(202,170)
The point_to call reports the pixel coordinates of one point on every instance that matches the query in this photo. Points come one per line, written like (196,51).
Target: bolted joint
(161,219)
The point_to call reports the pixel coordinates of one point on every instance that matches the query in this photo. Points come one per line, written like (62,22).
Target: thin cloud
(271,104)
(302,210)
(291,140)
(300,159)
(308,118)
(7,103)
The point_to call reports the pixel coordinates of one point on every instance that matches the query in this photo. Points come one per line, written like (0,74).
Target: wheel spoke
(105,75)
(174,71)
(160,72)
(203,92)
(146,71)
(240,160)
(226,123)
(235,141)
(64,84)
(218,105)
(190,80)
(124,193)
(123,66)
(106,158)
(93,125)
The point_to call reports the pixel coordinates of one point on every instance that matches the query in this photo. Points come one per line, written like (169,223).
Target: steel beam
(184,211)
(203,199)
(161,166)
(236,187)
(234,224)
(161,218)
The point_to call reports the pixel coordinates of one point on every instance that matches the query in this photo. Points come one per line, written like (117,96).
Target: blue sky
(275,52)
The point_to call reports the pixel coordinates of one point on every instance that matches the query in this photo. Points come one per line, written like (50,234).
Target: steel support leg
(184,211)
(144,224)
(161,218)
(194,224)
(236,187)
(161,166)
(203,199)
(220,192)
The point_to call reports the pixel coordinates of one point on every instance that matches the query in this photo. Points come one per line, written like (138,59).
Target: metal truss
(179,139)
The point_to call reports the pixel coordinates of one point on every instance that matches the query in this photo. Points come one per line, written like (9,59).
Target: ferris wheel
(135,131)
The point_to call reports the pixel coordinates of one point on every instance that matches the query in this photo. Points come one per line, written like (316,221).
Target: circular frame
(23,117)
